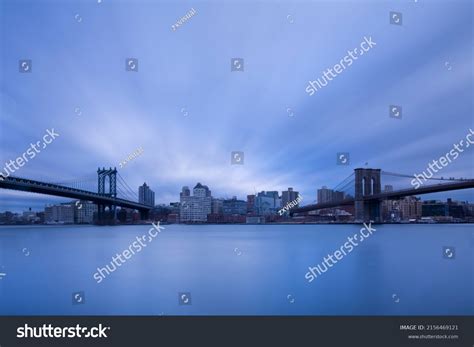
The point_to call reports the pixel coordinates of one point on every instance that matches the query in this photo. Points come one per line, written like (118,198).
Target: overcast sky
(188,110)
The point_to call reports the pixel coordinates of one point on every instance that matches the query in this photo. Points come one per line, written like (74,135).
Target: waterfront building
(7,217)
(160,213)
(197,207)
(63,213)
(84,212)
(251,203)
(407,208)
(234,207)
(267,203)
(449,208)
(433,208)
(40,216)
(29,216)
(217,206)
(410,208)
(174,207)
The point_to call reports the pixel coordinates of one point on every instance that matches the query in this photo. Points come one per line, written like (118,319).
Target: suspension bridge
(107,190)
(363,189)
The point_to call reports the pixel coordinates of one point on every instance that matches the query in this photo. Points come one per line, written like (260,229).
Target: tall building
(328,195)
(234,206)
(195,208)
(324,195)
(288,196)
(146,196)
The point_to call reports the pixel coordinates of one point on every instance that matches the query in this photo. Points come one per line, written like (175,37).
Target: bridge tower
(367,182)
(103,175)
(112,175)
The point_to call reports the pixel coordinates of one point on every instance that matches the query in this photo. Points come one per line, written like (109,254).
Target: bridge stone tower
(103,175)
(367,182)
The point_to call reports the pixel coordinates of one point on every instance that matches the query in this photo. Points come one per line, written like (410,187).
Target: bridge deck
(27,185)
(390,195)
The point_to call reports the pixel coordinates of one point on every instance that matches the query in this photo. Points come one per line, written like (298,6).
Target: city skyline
(145,195)
(322,195)
(189,111)
(201,207)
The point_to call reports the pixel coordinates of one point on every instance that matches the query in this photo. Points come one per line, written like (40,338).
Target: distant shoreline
(250,224)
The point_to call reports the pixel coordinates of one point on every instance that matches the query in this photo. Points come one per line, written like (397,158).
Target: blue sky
(82,65)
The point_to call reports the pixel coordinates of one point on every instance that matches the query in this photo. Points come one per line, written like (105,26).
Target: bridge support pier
(144,215)
(100,213)
(106,215)
(367,182)
(113,212)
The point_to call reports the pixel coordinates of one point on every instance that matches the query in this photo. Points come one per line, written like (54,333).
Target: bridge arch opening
(107,180)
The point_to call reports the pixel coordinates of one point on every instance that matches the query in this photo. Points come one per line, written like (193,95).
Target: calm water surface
(237,270)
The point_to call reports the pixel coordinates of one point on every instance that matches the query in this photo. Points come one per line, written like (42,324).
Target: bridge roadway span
(390,195)
(28,185)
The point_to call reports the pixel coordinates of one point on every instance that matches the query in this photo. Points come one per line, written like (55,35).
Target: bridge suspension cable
(87,183)
(344,182)
(124,194)
(126,188)
(413,176)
